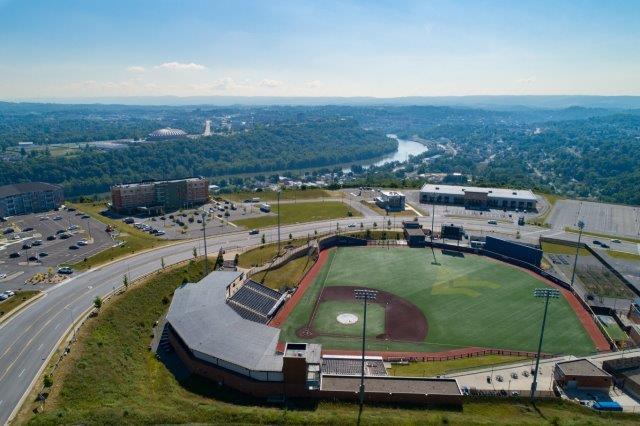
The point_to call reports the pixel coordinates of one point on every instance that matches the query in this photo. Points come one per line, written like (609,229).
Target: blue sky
(61,48)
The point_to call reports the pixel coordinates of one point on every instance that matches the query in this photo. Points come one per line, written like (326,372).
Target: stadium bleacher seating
(254,302)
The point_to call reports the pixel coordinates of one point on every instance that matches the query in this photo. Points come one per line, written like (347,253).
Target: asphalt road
(28,338)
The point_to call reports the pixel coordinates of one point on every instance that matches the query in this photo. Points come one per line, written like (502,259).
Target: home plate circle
(347,319)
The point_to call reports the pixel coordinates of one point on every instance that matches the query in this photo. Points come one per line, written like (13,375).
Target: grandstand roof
(391,384)
(518,194)
(200,315)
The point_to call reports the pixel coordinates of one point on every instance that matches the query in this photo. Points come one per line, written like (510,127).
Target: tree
(219,260)
(97,302)
(290,237)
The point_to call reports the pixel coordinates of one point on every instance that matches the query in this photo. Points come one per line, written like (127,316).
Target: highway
(29,337)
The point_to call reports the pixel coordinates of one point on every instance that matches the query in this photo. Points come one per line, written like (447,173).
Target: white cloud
(271,84)
(135,69)
(527,80)
(314,84)
(191,66)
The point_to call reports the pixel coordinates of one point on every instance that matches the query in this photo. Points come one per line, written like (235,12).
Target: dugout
(522,252)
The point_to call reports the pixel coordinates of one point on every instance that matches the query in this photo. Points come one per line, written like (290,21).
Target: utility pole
(433,220)
(365,295)
(204,240)
(575,261)
(278,195)
(547,293)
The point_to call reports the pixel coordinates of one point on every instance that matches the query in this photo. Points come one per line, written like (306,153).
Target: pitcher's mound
(347,319)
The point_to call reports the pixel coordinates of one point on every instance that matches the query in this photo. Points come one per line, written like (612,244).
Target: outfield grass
(329,310)
(11,303)
(436,368)
(110,377)
(470,301)
(306,194)
(300,213)
(285,276)
(134,239)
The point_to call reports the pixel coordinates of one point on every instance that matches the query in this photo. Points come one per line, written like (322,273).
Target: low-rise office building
(29,197)
(159,196)
(391,201)
(479,198)
(582,374)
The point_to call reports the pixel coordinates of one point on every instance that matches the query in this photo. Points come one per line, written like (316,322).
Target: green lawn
(555,248)
(110,377)
(134,239)
(11,303)
(285,276)
(602,235)
(307,194)
(263,254)
(470,301)
(326,322)
(300,213)
(624,255)
(436,368)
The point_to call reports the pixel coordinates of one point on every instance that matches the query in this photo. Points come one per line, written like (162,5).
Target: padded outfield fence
(472,353)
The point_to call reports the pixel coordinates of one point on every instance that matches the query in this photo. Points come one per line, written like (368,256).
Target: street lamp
(278,194)
(364,294)
(575,261)
(204,239)
(547,293)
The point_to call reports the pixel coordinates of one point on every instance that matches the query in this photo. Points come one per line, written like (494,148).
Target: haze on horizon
(76,49)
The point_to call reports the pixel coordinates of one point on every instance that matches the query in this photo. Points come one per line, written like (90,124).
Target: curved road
(29,337)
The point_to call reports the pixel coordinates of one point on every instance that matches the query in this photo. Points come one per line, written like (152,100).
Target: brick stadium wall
(386,398)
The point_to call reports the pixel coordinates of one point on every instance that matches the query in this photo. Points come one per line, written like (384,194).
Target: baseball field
(464,301)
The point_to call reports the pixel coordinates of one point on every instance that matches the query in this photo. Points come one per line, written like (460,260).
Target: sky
(91,48)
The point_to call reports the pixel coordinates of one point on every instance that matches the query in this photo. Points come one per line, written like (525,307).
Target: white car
(82,243)
(72,227)
(351,225)
(3,276)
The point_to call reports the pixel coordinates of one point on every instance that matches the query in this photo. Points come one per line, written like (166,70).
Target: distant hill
(506,102)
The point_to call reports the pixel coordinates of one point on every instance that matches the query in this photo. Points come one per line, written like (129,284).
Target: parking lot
(37,238)
(598,217)
(187,224)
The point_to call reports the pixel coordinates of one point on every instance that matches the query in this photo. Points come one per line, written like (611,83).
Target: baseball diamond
(465,301)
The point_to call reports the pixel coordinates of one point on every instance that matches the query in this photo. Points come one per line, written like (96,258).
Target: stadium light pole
(575,261)
(547,293)
(365,295)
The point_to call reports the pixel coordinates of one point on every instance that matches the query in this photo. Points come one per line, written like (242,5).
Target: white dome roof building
(167,133)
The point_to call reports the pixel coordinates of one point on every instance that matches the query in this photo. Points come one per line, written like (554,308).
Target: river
(405,149)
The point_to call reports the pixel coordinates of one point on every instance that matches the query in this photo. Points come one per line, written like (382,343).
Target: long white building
(476,197)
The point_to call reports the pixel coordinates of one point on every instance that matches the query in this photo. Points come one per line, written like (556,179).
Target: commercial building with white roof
(477,197)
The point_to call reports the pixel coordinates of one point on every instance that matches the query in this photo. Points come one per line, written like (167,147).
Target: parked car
(51,237)
(85,216)
(60,231)
(254,232)
(8,231)
(27,229)
(64,236)
(65,270)
(43,254)
(26,246)
(57,218)
(73,247)
(33,259)
(492,222)
(14,255)
(36,243)
(605,246)
(72,227)
(82,243)
(3,297)
(128,220)
(71,209)
(160,233)
(596,242)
